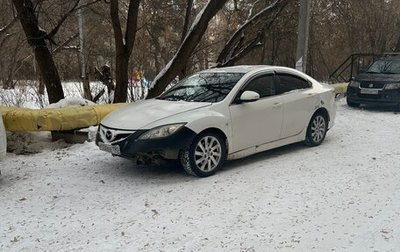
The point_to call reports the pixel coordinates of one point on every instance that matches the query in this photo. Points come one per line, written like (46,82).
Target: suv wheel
(352,104)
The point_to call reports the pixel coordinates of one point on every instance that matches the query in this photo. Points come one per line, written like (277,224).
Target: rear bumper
(382,98)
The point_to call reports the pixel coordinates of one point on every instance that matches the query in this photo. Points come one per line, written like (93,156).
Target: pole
(81,44)
(85,77)
(303,34)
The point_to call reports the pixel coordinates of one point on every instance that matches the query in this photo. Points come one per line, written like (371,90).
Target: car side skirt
(267,146)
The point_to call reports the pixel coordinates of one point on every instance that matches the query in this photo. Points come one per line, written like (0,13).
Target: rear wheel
(205,156)
(316,130)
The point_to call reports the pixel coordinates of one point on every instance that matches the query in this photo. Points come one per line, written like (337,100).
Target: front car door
(258,122)
(299,101)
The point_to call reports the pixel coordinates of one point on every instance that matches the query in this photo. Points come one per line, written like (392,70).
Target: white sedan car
(220,114)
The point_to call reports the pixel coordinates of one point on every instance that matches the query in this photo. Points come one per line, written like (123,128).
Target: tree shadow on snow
(173,172)
(372,108)
(128,168)
(269,155)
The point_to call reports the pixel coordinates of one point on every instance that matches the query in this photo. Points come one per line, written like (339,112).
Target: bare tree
(251,34)
(185,50)
(123,45)
(37,40)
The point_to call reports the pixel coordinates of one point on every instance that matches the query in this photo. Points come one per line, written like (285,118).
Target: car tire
(205,156)
(316,130)
(397,108)
(352,104)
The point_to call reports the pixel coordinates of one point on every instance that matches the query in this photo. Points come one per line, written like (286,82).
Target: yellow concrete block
(69,118)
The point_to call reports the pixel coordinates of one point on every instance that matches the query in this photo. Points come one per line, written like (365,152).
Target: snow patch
(70,102)
(3,139)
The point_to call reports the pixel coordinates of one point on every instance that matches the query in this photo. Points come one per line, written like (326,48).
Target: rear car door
(298,102)
(258,122)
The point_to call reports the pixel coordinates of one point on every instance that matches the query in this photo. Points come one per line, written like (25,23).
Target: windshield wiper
(171,98)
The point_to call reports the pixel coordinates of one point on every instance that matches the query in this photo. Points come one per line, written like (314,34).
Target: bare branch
(155,43)
(5,28)
(252,9)
(51,34)
(236,46)
(6,38)
(65,43)
(74,8)
(186,48)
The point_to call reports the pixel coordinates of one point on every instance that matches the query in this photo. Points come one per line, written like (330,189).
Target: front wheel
(352,104)
(397,108)
(316,130)
(205,156)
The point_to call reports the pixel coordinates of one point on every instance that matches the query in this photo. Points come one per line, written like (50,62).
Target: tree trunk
(123,45)
(186,48)
(186,23)
(36,39)
(121,77)
(188,14)
(87,94)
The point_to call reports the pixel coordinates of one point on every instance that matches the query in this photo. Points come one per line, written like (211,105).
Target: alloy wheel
(318,128)
(207,153)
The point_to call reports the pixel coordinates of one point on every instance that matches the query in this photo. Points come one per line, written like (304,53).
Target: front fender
(200,120)
(209,119)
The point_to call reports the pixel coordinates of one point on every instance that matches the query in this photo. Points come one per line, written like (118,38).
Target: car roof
(237,69)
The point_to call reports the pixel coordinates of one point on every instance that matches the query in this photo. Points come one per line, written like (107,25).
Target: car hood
(139,114)
(378,77)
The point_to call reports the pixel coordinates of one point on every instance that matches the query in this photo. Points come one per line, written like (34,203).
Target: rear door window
(288,82)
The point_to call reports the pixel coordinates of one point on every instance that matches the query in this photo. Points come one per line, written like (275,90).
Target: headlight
(392,86)
(354,84)
(162,131)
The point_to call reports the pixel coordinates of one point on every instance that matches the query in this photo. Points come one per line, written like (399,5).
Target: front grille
(109,135)
(369,96)
(372,85)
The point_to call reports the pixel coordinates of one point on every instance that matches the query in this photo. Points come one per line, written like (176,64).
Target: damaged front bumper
(128,145)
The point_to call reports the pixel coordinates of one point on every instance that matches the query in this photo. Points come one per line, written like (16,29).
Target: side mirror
(249,96)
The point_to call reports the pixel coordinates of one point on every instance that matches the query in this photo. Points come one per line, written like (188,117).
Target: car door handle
(277,104)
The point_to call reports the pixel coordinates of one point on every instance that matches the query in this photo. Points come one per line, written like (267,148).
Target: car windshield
(203,87)
(385,67)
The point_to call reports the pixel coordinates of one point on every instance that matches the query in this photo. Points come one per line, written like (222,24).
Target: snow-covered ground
(341,196)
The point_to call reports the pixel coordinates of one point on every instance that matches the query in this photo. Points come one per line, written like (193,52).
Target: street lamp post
(303,34)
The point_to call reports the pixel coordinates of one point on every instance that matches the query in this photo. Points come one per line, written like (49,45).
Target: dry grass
(340,88)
